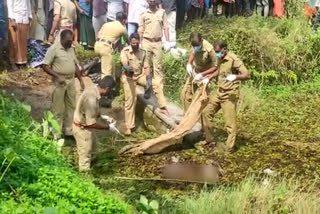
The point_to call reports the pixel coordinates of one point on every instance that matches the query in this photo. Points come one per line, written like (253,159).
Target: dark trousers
(243,7)
(49,23)
(181,10)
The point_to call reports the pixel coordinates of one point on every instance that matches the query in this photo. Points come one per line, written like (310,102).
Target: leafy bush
(39,176)
(275,50)
(252,196)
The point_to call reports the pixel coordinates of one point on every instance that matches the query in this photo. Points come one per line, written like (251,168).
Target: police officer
(202,59)
(137,71)
(109,34)
(231,71)
(61,63)
(86,117)
(153,23)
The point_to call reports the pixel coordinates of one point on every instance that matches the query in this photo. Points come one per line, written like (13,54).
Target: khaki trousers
(87,146)
(105,51)
(130,97)
(63,104)
(228,104)
(154,50)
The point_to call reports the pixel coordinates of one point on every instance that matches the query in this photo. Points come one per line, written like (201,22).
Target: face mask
(152,5)
(67,44)
(197,48)
(219,55)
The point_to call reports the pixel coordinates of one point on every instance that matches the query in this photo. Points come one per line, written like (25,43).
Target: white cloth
(171,17)
(135,9)
(114,7)
(19,10)
(314,3)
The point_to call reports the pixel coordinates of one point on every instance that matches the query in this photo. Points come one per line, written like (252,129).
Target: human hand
(50,39)
(205,81)
(166,46)
(189,70)
(198,77)
(81,11)
(108,118)
(13,24)
(231,77)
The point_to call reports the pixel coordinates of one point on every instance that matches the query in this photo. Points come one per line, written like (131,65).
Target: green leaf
(26,107)
(154,205)
(50,210)
(53,122)
(144,200)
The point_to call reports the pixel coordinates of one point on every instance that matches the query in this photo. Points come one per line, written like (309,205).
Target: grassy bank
(253,196)
(35,177)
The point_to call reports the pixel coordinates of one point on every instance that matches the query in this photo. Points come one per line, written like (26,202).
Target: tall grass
(253,196)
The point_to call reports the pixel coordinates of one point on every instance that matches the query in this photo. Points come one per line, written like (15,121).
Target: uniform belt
(153,40)
(104,40)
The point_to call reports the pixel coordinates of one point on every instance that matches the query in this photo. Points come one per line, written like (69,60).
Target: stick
(162,179)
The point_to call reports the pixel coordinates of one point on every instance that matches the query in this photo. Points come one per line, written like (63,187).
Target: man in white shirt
(20,16)
(135,9)
(114,7)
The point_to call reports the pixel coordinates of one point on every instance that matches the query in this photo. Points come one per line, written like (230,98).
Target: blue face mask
(197,48)
(219,55)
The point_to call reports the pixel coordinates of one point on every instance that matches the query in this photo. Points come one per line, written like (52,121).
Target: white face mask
(197,48)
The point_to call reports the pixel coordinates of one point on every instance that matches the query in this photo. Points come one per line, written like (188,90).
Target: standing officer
(153,23)
(61,63)
(231,71)
(137,71)
(108,35)
(202,59)
(85,122)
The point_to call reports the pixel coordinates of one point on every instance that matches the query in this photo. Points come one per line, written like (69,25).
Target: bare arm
(48,70)
(98,126)
(79,76)
(78,6)
(166,33)
(244,75)
(209,71)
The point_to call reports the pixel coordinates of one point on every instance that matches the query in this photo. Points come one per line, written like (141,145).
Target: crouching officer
(136,71)
(109,34)
(202,59)
(231,71)
(86,122)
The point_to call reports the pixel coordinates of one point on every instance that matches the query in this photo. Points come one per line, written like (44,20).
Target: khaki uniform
(87,83)
(203,60)
(68,16)
(225,98)
(64,63)
(86,114)
(151,26)
(111,33)
(139,62)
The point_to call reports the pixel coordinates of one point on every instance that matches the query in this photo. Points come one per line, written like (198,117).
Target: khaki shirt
(67,10)
(204,59)
(152,24)
(63,61)
(138,61)
(230,64)
(87,109)
(112,31)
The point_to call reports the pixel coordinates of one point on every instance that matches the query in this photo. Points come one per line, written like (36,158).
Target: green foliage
(253,196)
(35,175)
(146,207)
(275,50)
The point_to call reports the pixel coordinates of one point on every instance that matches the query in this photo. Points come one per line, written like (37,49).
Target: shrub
(39,175)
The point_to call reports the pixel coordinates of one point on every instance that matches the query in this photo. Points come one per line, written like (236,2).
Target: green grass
(254,196)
